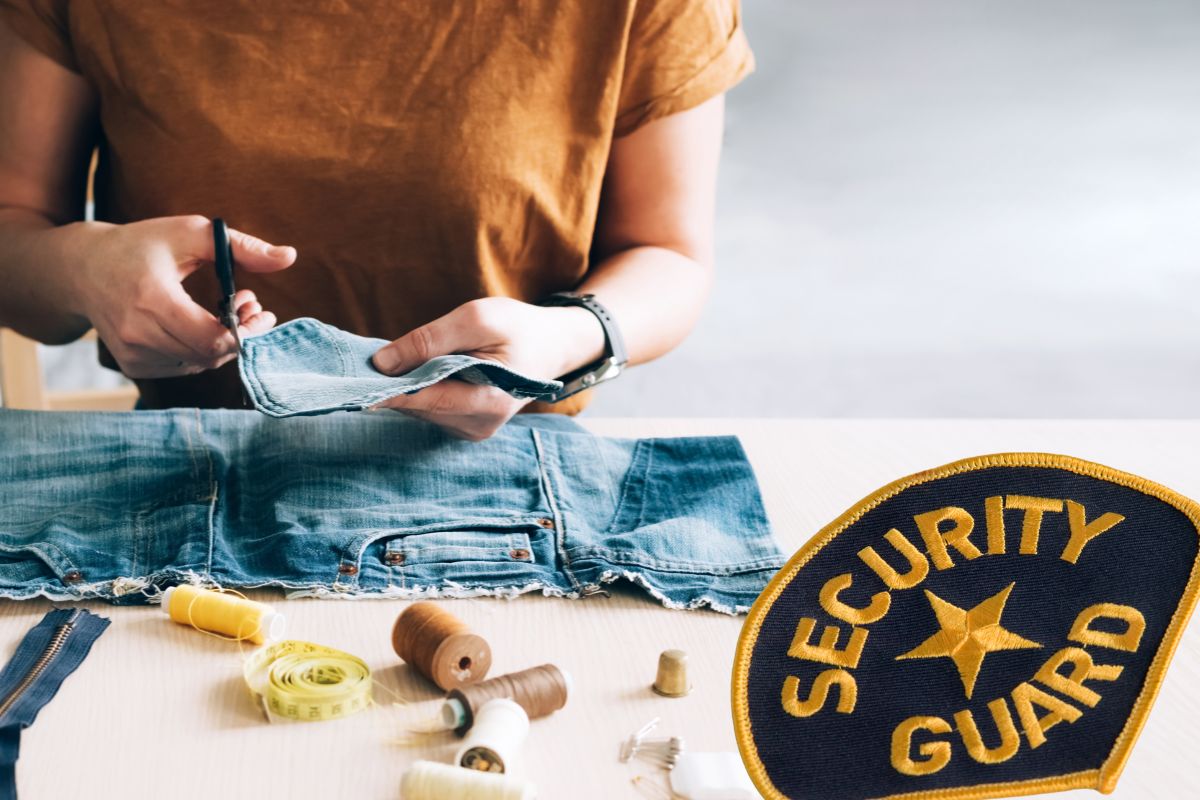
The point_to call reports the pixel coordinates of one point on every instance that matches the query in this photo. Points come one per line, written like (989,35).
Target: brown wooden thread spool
(440,646)
(539,690)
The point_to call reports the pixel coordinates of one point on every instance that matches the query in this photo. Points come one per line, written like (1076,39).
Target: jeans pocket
(465,552)
(457,546)
(26,569)
(688,505)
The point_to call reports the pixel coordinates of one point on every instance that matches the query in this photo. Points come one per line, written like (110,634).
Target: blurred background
(954,208)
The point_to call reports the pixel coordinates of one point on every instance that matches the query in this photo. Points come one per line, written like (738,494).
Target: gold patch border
(1103,779)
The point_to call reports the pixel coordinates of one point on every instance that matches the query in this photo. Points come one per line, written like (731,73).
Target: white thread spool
(428,780)
(495,739)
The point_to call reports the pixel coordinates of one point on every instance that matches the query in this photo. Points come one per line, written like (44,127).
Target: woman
(419,172)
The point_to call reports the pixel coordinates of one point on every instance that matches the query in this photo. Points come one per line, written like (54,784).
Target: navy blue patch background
(1144,561)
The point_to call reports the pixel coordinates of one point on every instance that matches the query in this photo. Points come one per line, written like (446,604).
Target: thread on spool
(440,646)
(429,780)
(494,741)
(309,682)
(539,690)
(224,613)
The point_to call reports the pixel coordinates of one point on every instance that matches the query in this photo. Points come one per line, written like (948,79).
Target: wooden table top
(161,709)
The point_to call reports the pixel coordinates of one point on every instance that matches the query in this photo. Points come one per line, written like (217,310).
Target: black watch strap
(615,356)
(614,343)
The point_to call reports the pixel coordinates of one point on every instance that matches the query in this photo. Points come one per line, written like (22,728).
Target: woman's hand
(128,284)
(539,342)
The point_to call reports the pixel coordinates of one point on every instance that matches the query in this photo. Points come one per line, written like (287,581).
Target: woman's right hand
(129,287)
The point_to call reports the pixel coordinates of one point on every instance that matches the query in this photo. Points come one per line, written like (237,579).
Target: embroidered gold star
(968,636)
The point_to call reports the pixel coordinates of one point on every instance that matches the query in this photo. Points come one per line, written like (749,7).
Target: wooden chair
(22,384)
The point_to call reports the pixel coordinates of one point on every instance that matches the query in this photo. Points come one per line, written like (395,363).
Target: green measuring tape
(308,682)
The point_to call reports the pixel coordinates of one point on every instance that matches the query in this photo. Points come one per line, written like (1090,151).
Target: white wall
(960,208)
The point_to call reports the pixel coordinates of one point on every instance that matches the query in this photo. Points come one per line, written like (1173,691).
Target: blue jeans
(119,505)
(307,367)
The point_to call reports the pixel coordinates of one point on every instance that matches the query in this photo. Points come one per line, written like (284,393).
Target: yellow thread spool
(226,614)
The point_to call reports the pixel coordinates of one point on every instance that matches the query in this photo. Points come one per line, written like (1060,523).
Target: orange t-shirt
(417,155)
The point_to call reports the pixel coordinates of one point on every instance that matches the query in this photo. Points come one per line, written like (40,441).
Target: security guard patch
(996,627)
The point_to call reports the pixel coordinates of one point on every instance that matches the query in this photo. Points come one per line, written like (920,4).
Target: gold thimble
(672,678)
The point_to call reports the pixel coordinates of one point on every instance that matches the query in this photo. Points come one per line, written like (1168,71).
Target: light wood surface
(159,709)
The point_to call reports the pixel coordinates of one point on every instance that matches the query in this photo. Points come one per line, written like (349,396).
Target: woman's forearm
(654,229)
(36,262)
(654,293)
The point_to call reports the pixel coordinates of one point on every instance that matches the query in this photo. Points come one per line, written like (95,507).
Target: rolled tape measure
(308,682)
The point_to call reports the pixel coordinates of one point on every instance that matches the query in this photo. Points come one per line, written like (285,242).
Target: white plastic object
(711,776)
(275,625)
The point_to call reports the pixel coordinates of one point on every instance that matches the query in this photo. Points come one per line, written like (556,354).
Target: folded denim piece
(120,505)
(307,367)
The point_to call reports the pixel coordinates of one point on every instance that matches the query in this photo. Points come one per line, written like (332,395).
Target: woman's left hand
(534,340)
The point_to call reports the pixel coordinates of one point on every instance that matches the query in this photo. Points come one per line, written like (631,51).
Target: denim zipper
(50,651)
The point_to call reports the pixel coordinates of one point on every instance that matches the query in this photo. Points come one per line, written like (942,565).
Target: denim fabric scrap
(120,505)
(307,367)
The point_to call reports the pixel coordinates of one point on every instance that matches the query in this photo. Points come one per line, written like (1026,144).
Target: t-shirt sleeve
(43,24)
(679,54)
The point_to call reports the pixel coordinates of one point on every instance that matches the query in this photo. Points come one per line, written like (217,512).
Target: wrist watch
(609,366)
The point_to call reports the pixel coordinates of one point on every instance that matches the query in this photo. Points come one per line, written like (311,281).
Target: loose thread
(292,679)
(221,590)
(222,613)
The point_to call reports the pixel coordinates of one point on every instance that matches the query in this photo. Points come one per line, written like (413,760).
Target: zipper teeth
(53,647)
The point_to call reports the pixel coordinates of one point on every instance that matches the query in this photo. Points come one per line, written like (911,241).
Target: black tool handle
(223,255)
